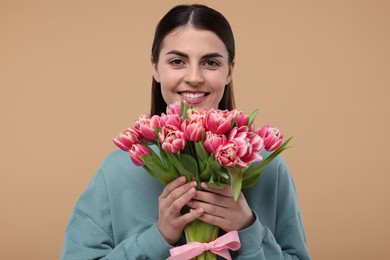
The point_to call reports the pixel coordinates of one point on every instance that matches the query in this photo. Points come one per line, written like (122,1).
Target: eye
(176,62)
(211,64)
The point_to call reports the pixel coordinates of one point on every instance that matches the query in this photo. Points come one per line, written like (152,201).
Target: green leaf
(179,166)
(154,155)
(252,117)
(212,184)
(183,110)
(201,155)
(200,151)
(236,177)
(167,163)
(223,175)
(253,173)
(214,165)
(189,149)
(163,177)
(234,120)
(206,174)
(157,170)
(189,163)
(250,179)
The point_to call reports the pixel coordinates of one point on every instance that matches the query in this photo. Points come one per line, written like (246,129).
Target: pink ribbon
(219,246)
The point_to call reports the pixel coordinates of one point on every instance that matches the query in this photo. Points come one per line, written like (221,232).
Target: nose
(194,75)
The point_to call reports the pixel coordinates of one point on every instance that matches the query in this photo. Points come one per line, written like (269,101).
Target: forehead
(191,40)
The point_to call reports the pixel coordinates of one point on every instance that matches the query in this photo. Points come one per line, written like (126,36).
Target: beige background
(74,73)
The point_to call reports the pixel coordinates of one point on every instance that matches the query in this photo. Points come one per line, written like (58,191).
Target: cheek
(169,79)
(218,96)
(218,87)
(168,84)
(218,82)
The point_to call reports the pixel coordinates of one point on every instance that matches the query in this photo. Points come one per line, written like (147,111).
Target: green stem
(199,231)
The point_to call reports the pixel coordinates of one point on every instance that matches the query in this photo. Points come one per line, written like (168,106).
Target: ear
(155,73)
(229,77)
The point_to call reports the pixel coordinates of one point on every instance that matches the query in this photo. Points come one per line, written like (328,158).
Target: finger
(192,215)
(208,208)
(215,220)
(180,200)
(226,189)
(173,185)
(214,199)
(181,190)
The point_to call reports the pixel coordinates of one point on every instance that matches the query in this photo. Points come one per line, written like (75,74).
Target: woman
(125,213)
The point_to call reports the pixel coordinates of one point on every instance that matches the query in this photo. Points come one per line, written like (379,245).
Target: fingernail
(191,191)
(204,185)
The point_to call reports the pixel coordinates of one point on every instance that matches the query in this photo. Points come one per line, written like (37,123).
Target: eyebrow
(206,56)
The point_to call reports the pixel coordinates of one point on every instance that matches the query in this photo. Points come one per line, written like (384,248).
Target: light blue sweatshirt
(115,217)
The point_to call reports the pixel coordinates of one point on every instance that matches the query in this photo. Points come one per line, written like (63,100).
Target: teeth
(193,95)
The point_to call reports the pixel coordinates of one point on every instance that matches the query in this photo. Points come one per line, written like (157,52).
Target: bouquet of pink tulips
(213,146)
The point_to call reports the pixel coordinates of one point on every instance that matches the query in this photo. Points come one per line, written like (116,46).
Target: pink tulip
(255,147)
(272,137)
(241,118)
(249,145)
(239,138)
(218,121)
(194,114)
(174,108)
(256,141)
(172,140)
(226,155)
(173,120)
(126,139)
(192,129)
(142,119)
(147,126)
(136,151)
(213,142)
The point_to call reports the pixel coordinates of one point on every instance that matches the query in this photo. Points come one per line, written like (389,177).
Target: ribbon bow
(219,246)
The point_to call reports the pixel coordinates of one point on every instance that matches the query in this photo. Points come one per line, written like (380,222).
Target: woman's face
(193,66)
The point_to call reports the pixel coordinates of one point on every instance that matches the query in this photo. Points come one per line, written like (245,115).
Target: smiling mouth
(193,95)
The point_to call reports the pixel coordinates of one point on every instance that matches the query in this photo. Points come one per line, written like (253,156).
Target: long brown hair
(200,17)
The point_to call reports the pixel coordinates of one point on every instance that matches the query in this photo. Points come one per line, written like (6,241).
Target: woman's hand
(174,197)
(221,210)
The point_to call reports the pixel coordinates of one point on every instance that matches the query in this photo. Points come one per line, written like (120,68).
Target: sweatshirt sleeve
(89,234)
(287,238)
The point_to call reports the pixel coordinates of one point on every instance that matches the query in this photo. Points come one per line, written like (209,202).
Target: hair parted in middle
(200,17)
